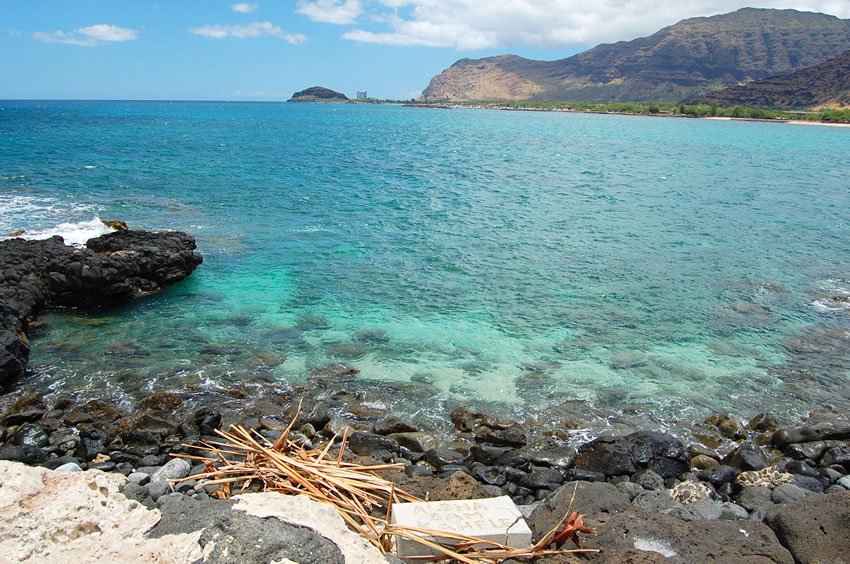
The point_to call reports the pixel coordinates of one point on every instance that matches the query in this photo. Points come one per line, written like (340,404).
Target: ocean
(511,261)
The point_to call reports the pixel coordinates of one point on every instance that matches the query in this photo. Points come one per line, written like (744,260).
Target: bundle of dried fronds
(363,498)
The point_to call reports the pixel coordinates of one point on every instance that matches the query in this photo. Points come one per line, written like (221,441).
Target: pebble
(175,469)
(69,467)
(157,489)
(844,482)
(140,478)
(787,493)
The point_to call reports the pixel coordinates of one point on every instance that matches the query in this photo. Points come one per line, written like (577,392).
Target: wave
(74,233)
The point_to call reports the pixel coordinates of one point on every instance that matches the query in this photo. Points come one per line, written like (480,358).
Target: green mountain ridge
(692,57)
(823,85)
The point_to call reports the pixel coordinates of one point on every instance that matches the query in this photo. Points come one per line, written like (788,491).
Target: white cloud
(244,7)
(97,34)
(331,11)
(247,31)
(473,24)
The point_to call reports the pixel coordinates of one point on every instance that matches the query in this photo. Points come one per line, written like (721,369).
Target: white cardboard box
(495,519)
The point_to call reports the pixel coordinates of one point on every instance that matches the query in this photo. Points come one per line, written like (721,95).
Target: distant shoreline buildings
(361,95)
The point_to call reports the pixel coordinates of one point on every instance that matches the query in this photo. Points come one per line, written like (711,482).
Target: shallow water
(514,260)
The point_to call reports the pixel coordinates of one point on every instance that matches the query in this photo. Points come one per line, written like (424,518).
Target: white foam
(75,234)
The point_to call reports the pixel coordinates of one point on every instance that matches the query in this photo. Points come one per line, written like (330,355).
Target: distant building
(361,95)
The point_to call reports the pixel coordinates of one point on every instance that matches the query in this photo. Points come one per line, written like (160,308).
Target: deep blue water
(671,266)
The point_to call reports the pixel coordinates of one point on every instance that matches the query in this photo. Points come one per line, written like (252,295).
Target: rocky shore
(47,273)
(765,491)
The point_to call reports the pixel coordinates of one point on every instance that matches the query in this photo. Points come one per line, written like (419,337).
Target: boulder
(814,529)
(629,534)
(836,429)
(614,456)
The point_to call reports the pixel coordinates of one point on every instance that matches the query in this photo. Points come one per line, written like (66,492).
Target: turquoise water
(670,266)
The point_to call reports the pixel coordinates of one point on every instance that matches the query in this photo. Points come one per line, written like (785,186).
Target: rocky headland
(35,275)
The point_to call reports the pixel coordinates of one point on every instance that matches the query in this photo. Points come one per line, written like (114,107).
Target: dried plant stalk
(363,498)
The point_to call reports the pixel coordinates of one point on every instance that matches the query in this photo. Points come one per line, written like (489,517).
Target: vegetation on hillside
(663,109)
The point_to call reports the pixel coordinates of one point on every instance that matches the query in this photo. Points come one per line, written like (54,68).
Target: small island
(319,94)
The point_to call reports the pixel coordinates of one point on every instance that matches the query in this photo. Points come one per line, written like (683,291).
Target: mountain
(826,85)
(318,94)
(692,57)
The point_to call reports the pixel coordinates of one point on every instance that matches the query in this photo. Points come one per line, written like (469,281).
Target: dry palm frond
(362,497)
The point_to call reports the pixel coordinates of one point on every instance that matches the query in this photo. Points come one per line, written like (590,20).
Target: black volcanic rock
(691,57)
(826,84)
(112,267)
(318,94)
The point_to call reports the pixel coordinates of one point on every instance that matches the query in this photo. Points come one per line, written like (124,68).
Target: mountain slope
(823,85)
(694,56)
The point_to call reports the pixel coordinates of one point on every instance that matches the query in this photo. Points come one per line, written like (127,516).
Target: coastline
(483,106)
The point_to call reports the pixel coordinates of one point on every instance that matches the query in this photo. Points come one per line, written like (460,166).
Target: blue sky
(266,50)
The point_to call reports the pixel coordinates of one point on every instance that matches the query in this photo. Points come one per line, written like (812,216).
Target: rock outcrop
(112,267)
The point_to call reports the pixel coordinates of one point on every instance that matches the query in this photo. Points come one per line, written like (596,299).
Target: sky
(268,49)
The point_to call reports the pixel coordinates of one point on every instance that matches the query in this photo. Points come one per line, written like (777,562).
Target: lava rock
(838,430)
(746,457)
(370,443)
(814,529)
(174,469)
(542,477)
(648,479)
(662,453)
(803,451)
(31,435)
(837,455)
(718,475)
(787,493)
(113,267)
(391,425)
(441,457)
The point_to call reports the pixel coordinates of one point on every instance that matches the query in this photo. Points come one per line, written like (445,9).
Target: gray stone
(372,444)
(173,496)
(139,478)
(802,451)
(837,455)
(69,467)
(157,489)
(415,441)
(844,482)
(234,536)
(490,475)
(542,477)
(752,498)
(491,491)
(748,456)
(631,535)
(705,509)
(814,529)
(733,512)
(440,457)
(808,483)
(648,479)
(591,498)
(31,435)
(392,425)
(174,469)
(787,493)
(655,501)
(135,492)
(838,430)
(630,489)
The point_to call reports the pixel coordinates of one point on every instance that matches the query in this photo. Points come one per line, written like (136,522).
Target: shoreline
(450,106)
(754,471)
